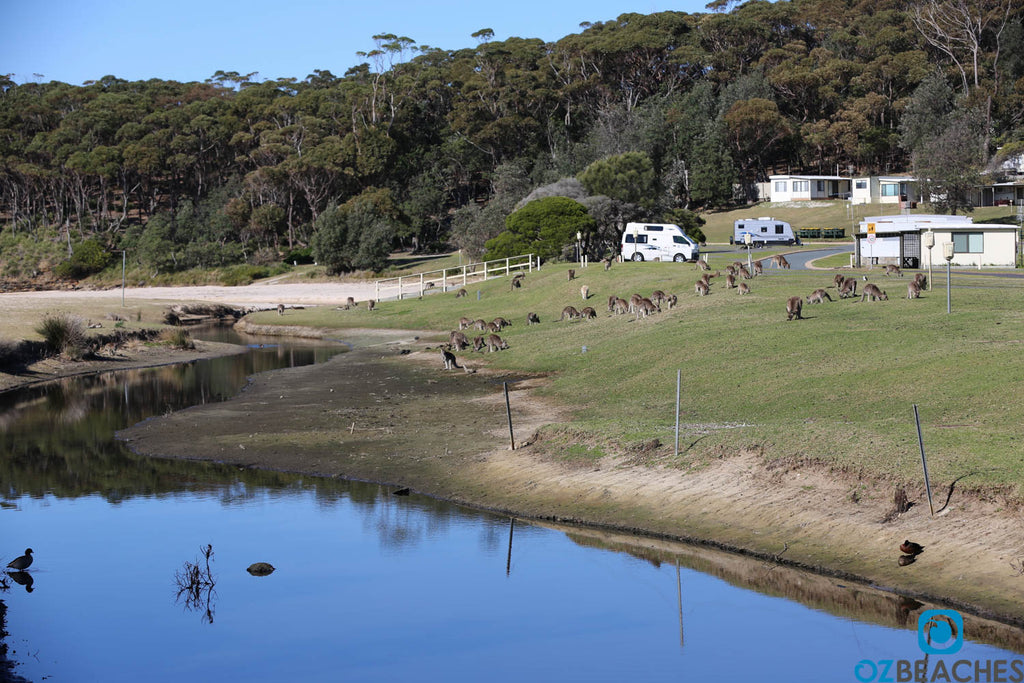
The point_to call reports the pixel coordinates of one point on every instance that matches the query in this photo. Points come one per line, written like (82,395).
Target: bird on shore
(23,562)
(911,548)
(905,560)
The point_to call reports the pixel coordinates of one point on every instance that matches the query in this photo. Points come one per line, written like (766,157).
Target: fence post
(507,268)
(444,280)
(376,290)
(421,285)
(531,262)
(485,270)
(400,288)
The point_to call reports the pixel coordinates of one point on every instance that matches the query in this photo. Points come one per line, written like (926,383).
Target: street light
(947,252)
(579,247)
(748,239)
(928,240)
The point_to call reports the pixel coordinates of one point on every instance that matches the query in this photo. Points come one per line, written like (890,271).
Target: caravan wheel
(678,258)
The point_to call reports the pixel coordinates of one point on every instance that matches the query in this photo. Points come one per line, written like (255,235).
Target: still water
(370,586)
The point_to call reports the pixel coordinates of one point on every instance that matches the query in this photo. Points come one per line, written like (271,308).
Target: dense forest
(640,117)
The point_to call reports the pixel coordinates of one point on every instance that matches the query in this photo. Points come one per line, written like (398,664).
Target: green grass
(837,387)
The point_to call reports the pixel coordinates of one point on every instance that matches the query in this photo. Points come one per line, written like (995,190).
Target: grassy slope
(837,387)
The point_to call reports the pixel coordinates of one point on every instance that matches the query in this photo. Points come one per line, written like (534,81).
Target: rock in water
(260,569)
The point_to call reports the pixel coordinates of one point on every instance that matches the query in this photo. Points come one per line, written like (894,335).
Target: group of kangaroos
(847,287)
(736,275)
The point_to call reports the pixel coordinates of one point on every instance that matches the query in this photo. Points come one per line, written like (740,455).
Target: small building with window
(795,188)
(897,240)
(884,190)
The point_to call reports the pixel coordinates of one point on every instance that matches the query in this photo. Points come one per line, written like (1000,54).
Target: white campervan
(658,242)
(763,231)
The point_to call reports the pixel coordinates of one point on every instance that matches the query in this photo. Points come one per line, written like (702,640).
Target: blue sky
(188,40)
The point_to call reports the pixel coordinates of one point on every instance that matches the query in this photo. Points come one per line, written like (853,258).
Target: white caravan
(763,231)
(658,242)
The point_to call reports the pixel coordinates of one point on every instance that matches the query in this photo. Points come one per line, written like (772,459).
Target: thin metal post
(124,259)
(508,411)
(947,287)
(924,462)
(679,379)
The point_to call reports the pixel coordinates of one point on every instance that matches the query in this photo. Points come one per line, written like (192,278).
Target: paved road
(797,259)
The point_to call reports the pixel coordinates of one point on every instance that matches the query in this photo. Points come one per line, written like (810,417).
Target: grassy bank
(837,387)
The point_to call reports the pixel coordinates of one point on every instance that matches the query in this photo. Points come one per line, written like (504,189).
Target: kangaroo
(480,324)
(491,327)
(532,319)
(280,309)
(706,277)
(478,343)
(870,290)
(608,263)
(701,288)
(634,301)
(780,261)
(572,274)
(793,307)
(588,313)
(672,301)
(893,270)
(621,306)
(350,303)
(585,292)
(758,268)
(495,343)
(458,340)
(744,273)
(702,264)
(818,296)
(913,290)
(448,358)
(744,288)
(646,308)
(570,312)
(611,302)
(461,293)
(839,279)
(730,281)
(921,280)
(501,323)
(517,281)
(730,269)
(849,288)
(465,323)
(371,304)
(658,296)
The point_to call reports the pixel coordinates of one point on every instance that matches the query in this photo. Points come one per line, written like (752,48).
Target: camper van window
(739,226)
(679,239)
(653,228)
(640,239)
(764,228)
(778,229)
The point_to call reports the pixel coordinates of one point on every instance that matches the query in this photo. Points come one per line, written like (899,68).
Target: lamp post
(928,240)
(579,247)
(634,243)
(747,240)
(947,252)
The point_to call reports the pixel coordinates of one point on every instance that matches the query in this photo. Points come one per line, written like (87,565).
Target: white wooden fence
(450,278)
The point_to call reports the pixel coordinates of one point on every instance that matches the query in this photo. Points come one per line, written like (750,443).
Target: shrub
(64,334)
(177,338)
(88,258)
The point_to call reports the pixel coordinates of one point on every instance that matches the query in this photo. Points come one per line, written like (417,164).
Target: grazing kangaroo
(706,277)
(780,261)
(465,323)
(646,308)
(744,273)
(491,327)
(461,293)
(893,270)
(730,269)
(570,312)
(608,263)
(921,280)
(913,290)
(702,264)
(873,292)
(280,309)
(532,319)
(611,302)
(658,296)
(793,308)
(730,281)
(818,296)
(517,282)
(495,343)
(588,313)
(371,304)
(478,343)
(501,323)
(672,301)
(744,288)
(585,292)
(480,324)
(634,301)
(839,279)
(458,341)
(621,306)
(350,303)
(849,288)
(572,274)
(701,288)
(758,268)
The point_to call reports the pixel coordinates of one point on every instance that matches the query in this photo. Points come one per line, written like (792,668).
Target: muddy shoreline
(386,412)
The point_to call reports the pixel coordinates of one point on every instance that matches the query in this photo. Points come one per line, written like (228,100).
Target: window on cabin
(801,186)
(890,189)
(780,185)
(968,242)
(861,184)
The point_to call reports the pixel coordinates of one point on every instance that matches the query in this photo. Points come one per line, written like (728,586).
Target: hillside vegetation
(836,388)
